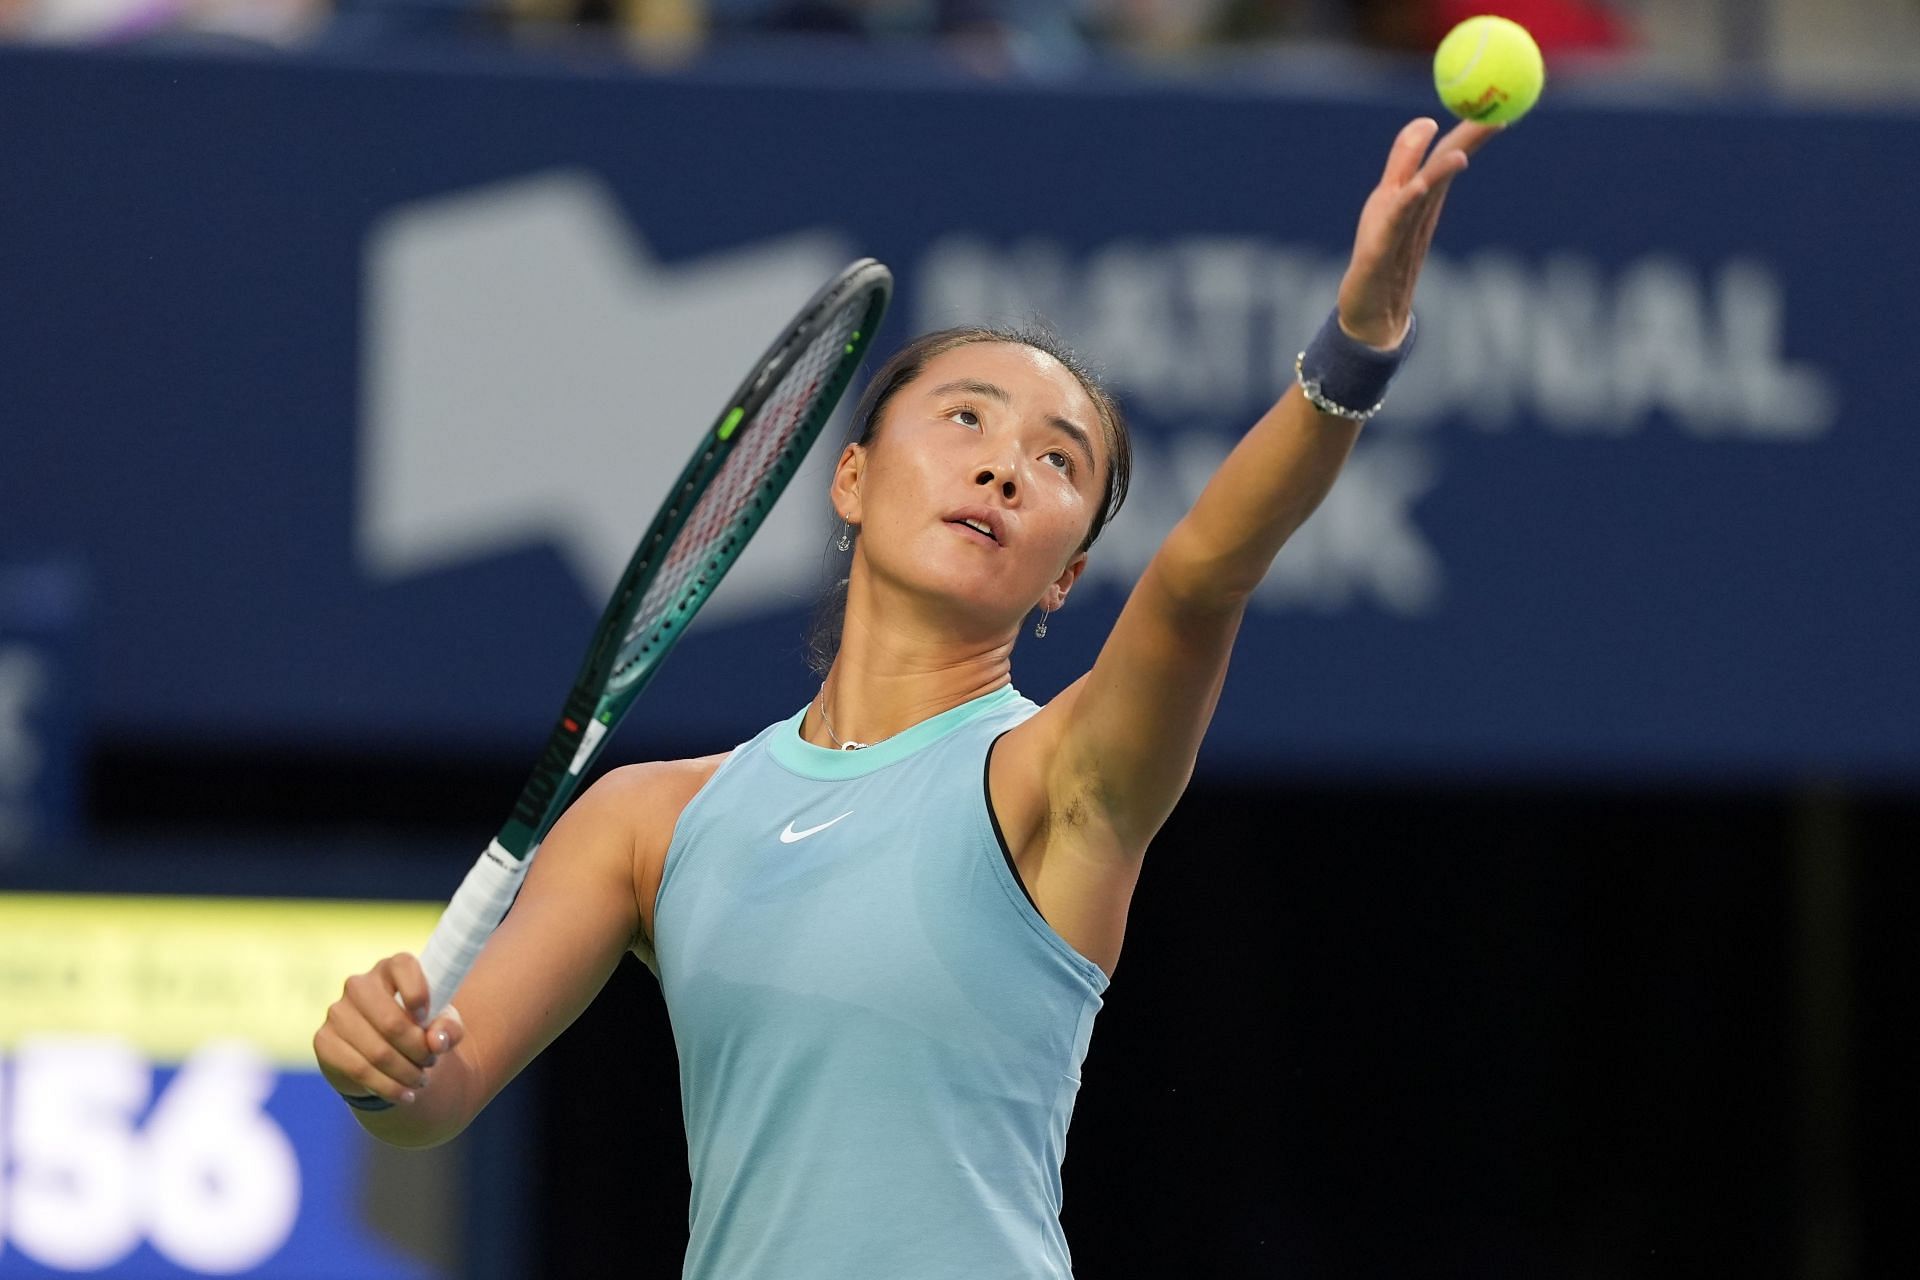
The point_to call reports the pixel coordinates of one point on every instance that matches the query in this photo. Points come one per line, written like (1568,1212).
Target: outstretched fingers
(1450,155)
(1403,158)
(1430,171)
(1469,136)
(1427,192)
(1398,221)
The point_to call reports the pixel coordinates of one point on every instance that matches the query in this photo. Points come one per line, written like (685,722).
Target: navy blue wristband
(1346,377)
(366,1102)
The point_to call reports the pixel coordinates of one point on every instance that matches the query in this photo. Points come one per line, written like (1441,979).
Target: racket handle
(469,920)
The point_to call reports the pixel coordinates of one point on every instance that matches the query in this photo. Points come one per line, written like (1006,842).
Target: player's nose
(1001,476)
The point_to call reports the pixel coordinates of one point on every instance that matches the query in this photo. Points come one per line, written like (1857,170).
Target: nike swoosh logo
(790,835)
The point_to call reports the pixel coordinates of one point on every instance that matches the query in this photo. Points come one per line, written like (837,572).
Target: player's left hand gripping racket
(742,464)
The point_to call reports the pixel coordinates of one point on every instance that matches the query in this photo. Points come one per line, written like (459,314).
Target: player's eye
(1062,459)
(965,417)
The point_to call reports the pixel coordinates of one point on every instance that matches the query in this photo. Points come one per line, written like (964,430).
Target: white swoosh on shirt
(790,835)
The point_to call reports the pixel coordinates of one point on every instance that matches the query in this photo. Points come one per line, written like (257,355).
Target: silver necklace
(820,700)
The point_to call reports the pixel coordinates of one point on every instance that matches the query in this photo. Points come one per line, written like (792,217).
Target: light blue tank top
(880,1038)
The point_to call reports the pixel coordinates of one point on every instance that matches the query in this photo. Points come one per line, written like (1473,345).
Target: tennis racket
(743,462)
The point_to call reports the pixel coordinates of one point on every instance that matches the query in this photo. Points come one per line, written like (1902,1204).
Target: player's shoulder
(650,798)
(654,785)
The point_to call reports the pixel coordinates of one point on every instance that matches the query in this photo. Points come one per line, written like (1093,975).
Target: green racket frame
(611,677)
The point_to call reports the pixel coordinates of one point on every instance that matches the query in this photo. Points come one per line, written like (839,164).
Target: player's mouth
(978,523)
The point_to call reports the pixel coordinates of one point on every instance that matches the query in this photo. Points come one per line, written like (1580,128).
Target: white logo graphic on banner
(534,375)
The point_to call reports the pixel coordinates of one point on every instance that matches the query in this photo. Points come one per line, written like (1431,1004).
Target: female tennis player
(884,925)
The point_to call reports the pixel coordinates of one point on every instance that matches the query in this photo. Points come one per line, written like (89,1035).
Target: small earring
(1040,627)
(845,544)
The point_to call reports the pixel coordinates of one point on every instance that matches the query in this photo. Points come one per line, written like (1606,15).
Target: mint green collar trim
(828,765)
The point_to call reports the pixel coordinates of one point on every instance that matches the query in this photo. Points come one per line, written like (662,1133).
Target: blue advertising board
(353,386)
(161,1114)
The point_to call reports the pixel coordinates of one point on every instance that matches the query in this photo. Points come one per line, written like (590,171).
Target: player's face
(1005,435)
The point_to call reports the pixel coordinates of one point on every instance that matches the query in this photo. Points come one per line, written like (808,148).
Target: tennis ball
(1489,69)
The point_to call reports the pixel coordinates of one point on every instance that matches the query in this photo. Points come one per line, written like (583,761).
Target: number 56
(210,1180)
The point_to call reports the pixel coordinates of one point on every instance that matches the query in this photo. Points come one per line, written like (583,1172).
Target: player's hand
(1396,226)
(374,1043)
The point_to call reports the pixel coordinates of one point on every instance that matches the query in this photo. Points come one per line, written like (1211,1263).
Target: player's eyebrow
(1065,426)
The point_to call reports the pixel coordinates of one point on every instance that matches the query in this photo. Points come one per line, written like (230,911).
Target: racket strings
(740,494)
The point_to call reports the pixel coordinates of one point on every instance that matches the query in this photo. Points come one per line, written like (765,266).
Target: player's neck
(890,675)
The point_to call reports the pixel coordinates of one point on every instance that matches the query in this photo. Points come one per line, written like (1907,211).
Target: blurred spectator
(105,21)
(1242,21)
(992,36)
(1159,27)
(989,35)
(650,27)
(1156,27)
(1560,26)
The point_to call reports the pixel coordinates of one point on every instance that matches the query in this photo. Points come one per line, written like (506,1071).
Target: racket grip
(469,920)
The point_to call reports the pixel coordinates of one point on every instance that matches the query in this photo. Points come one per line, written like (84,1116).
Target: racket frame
(604,688)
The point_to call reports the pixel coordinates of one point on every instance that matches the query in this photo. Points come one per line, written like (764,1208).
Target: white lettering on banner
(1211,325)
(1203,331)
(211,1181)
(1361,547)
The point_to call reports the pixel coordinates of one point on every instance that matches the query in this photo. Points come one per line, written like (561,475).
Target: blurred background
(1540,905)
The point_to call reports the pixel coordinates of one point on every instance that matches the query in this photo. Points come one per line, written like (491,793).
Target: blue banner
(354,386)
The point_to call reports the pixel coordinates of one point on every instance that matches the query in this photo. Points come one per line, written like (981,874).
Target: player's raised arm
(1286,464)
(577,911)
(1131,727)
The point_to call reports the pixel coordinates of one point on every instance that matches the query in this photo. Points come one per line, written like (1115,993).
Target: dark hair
(823,633)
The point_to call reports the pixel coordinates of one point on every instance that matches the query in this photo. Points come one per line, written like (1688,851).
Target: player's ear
(847,474)
(1056,594)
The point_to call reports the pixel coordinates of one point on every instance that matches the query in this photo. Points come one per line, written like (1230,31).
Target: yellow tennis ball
(1489,69)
